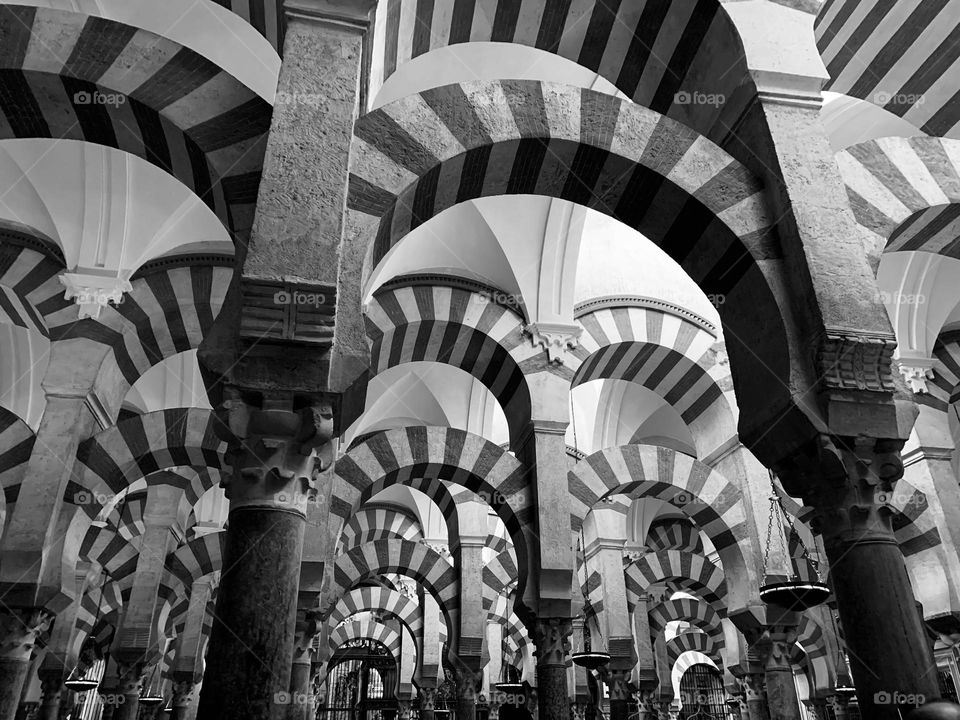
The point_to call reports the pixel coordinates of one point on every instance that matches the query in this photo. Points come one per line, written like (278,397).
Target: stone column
(467,687)
(551,637)
(754,691)
(774,650)
(618,685)
(182,698)
(19,630)
(301,684)
(275,452)
(51,691)
(848,482)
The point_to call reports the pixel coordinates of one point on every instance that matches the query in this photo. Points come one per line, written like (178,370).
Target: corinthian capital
(551,636)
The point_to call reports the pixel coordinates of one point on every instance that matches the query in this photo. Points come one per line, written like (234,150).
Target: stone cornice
(912,457)
(722,452)
(353,15)
(788,89)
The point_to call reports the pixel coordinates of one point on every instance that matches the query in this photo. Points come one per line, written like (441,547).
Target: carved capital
(20,629)
(815,710)
(94,292)
(276,452)
(754,687)
(183,693)
(773,646)
(618,683)
(578,711)
(428,696)
(551,637)
(855,361)
(556,339)
(849,482)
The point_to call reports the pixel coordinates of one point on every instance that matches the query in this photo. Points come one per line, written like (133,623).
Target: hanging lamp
(589,659)
(844,684)
(151,697)
(506,685)
(794,593)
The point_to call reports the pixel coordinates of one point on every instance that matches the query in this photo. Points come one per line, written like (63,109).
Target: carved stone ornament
(849,361)
(20,630)
(556,338)
(754,687)
(916,371)
(275,452)
(94,292)
(618,683)
(551,637)
(428,697)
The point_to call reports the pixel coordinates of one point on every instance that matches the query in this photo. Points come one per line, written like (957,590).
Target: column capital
(551,637)
(849,482)
(773,645)
(556,338)
(618,683)
(276,448)
(916,370)
(20,629)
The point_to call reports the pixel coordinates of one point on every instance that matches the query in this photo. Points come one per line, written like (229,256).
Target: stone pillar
(754,691)
(618,685)
(774,649)
(467,686)
(182,698)
(130,685)
(275,452)
(301,684)
(646,667)
(472,521)
(848,482)
(551,638)
(19,630)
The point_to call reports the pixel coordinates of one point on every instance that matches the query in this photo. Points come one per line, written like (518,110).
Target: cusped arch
(407,455)
(115,458)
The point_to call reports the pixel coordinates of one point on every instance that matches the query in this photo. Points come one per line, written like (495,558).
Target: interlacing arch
(713,503)
(421,456)
(367,629)
(382,601)
(377,523)
(690,610)
(695,641)
(690,572)
(16,439)
(213,144)
(414,560)
(117,457)
(459,328)
(905,192)
(673,356)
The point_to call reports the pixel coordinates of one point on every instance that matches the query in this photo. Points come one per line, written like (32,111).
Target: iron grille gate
(701,692)
(361,685)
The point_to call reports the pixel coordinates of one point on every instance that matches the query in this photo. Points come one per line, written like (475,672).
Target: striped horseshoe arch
(56,61)
(407,455)
(498,576)
(266,16)
(696,612)
(905,192)
(28,269)
(673,535)
(200,556)
(415,560)
(382,600)
(682,571)
(713,503)
(419,156)
(115,458)
(944,387)
(627,43)
(663,351)
(865,46)
(366,630)
(108,600)
(107,547)
(376,523)
(810,638)
(168,312)
(457,328)
(694,641)
(18,439)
